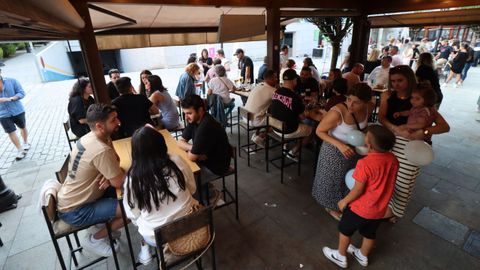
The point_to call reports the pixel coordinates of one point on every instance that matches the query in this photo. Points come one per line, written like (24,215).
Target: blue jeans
(103,209)
(465,70)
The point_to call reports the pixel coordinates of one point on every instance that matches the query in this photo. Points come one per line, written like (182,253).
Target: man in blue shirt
(12,113)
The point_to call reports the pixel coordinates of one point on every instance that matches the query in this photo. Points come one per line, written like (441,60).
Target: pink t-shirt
(379,172)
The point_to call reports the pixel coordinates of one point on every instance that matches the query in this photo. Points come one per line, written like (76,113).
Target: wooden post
(273,38)
(91,55)
(360,37)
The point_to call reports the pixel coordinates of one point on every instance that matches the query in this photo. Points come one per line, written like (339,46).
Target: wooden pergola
(92,21)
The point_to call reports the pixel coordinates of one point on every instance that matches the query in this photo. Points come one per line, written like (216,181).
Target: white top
(315,73)
(221,86)
(226,63)
(341,131)
(379,75)
(168,211)
(397,60)
(259,100)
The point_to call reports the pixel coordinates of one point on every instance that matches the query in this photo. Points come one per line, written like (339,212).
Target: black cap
(238,51)
(289,74)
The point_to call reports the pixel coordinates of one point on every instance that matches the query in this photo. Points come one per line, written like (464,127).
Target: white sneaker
(335,257)
(357,254)
(444,85)
(100,247)
(144,256)
(20,155)
(258,140)
(26,146)
(97,227)
(292,156)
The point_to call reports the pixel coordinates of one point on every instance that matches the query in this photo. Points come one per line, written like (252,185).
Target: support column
(91,55)
(360,37)
(273,38)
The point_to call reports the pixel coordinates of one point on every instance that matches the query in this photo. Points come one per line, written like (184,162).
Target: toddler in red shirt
(365,206)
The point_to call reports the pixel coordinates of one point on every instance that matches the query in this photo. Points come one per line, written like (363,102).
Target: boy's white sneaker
(357,254)
(335,257)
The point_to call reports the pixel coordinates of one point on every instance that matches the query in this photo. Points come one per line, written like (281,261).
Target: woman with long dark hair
(426,73)
(205,61)
(158,188)
(163,101)
(78,103)
(307,62)
(143,80)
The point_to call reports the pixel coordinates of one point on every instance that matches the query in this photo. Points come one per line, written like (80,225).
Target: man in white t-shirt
(379,75)
(225,62)
(258,102)
(396,58)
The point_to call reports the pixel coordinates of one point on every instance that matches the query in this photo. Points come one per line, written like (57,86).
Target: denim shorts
(91,213)
(8,123)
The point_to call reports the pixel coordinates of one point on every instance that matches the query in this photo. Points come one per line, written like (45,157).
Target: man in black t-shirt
(245,64)
(288,107)
(210,148)
(307,84)
(114,75)
(133,110)
(444,52)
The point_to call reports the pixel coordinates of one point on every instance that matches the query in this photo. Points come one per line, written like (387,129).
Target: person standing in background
(12,114)
(114,75)
(245,65)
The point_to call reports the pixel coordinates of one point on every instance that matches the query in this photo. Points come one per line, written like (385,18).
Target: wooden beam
(91,55)
(453,17)
(317,13)
(360,37)
(273,38)
(157,30)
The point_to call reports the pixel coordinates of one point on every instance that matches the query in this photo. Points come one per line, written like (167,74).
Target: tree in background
(334,29)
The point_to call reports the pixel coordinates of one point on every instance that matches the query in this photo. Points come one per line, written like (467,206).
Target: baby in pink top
(421,115)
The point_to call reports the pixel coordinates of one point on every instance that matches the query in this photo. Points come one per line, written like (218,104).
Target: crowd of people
(160,187)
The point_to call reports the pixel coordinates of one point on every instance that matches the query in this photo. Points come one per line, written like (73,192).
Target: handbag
(193,241)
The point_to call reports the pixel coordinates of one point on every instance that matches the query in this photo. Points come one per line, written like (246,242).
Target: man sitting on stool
(210,147)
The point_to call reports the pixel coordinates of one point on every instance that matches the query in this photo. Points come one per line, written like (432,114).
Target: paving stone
(440,225)
(472,245)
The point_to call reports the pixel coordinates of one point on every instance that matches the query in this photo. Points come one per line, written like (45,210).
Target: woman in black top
(457,65)
(397,99)
(426,73)
(143,80)
(205,61)
(79,101)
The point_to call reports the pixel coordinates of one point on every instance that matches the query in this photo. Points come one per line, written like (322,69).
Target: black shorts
(8,123)
(352,222)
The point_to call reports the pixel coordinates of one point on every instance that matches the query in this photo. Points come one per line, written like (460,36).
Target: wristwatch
(426,132)
(11,98)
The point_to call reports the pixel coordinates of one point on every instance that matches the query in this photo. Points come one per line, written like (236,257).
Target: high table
(123,148)
(243,95)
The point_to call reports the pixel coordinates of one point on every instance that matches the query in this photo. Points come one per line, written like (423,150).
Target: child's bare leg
(367,246)
(343,242)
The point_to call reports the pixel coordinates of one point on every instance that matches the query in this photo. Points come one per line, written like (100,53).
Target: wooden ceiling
(56,19)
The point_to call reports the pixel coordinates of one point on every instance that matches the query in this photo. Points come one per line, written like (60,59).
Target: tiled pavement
(280,226)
